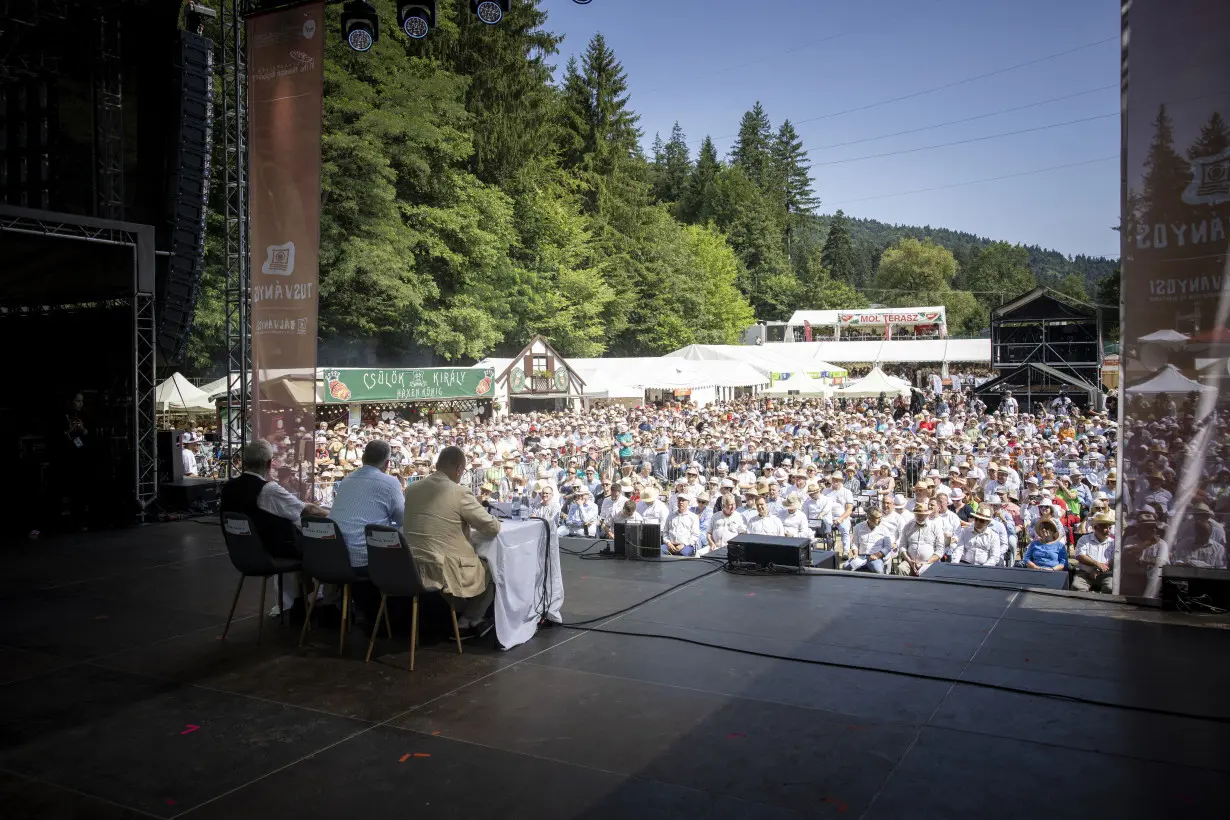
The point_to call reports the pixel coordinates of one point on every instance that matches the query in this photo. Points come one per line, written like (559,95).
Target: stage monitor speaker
(170,456)
(764,550)
(638,542)
(1195,589)
(189,166)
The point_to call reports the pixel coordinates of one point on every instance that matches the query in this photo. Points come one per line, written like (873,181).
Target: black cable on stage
(915,675)
(581,626)
(584,551)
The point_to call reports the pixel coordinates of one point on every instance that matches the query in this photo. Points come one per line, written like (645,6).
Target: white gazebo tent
(177,394)
(1165,337)
(873,384)
(802,385)
(1169,380)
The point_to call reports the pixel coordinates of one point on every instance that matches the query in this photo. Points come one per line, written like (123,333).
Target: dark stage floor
(117,700)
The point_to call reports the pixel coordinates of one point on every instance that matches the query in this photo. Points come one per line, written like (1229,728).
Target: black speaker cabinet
(769,549)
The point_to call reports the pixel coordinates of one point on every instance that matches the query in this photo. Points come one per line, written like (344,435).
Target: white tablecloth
(523,558)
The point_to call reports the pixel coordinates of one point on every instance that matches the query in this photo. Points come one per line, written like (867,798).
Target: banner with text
(285,93)
(1176,343)
(358,385)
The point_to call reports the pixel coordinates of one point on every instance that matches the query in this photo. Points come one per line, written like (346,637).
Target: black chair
(326,560)
(249,556)
(393,571)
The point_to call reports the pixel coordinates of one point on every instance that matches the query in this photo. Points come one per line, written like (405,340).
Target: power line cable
(966,141)
(977,181)
(945,86)
(967,119)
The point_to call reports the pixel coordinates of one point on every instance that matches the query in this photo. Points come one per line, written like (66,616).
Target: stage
(117,700)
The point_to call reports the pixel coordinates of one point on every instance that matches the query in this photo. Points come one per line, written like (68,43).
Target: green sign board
(360,386)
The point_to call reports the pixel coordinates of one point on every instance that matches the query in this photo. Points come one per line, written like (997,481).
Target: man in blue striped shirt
(369,495)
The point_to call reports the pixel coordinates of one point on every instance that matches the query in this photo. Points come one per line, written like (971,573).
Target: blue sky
(705,62)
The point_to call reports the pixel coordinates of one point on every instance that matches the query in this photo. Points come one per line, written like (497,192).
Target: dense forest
(474,193)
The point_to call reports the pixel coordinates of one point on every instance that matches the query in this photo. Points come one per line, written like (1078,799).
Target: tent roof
(177,393)
(628,377)
(1169,380)
(873,384)
(823,318)
(802,384)
(815,357)
(1164,336)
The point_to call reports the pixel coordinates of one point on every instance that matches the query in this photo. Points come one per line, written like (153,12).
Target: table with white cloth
(524,564)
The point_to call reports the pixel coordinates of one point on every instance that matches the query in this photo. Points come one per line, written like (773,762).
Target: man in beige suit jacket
(440,514)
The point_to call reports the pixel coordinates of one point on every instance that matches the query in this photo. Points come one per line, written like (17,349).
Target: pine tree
(676,167)
(1166,175)
(614,134)
(698,202)
(751,151)
(1214,138)
(573,130)
(792,171)
(838,256)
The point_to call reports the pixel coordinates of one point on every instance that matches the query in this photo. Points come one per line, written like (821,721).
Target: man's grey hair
(257,456)
(376,453)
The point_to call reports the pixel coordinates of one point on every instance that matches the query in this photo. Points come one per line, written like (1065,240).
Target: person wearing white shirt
(651,508)
(764,522)
(979,545)
(842,501)
(870,544)
(582,516)
(545,505)
(726,524)
(681,535)
(748,510)
(945,428)
(794,522)
(610,505)
(1095,556)
(627,514)
(895,521)
(189,458)
(921,543)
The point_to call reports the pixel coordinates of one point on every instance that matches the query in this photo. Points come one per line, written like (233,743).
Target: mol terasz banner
(1174,488)
(285,88)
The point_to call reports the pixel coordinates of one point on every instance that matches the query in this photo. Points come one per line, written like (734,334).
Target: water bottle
(516,506)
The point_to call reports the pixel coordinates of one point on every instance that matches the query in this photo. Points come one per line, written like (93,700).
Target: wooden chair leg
(307,621)
(456,629)
(388,628)
(341,644)
(382,611)
(414,629)
(234,603)
(260,613)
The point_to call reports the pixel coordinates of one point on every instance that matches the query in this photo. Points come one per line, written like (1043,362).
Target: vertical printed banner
(285,92)
(1175,485)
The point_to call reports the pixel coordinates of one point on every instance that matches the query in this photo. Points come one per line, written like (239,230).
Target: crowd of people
(893,485)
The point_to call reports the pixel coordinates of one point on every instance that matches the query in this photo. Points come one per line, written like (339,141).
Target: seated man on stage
(439,516)
(274,511)
(369,495)
(582,518)
(681,535)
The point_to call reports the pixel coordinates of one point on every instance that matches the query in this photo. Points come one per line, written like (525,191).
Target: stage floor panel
(117,700)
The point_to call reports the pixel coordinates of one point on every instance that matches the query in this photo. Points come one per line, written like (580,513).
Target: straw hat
(1104,517)
(791,503)
(649,495)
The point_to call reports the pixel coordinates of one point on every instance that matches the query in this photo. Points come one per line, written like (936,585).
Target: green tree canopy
(997,274)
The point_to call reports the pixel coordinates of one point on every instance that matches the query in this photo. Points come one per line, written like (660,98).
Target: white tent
(801,384)
(1169,380)
(873,384)
(177,393)
(1166,337)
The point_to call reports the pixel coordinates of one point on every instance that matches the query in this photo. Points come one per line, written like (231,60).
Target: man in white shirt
(651,508)
(870,544)
(582,516)
(681,535)
(894,522)
(920,544)
(818,508)
(612,504)
(794,522)
(842,501)
(189,457)
(979,545)
(1095,555)
(765,522)
(726,524)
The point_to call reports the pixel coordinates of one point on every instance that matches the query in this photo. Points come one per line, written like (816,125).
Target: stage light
(360,25)
(489,11)
(417,19)
(197,16)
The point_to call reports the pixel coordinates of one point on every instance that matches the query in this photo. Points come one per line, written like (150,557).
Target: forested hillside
(474,193)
